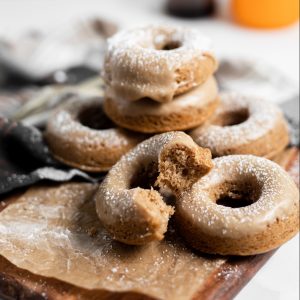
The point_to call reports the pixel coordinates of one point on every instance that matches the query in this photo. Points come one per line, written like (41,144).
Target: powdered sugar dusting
(263,117)
(136,67)
(65,124)
(279,197)
(115,198)
(149,39)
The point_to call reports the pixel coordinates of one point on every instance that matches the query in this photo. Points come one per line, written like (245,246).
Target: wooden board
(224,283)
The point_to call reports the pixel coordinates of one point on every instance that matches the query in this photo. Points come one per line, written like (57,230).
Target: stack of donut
(159,79)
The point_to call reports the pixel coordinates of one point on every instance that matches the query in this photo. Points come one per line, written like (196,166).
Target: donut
(129,203)
(157,62)
(246,205)
(80,135)
(244,125)
(184,112)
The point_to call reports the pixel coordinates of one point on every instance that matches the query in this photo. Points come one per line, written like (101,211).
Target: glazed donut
(246,205)
(244,125)
(185,112)
(128,206)
(157,62)
(80,135)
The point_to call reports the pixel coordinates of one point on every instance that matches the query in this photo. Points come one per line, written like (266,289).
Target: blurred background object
(68,53)
(190,8)
(265,13)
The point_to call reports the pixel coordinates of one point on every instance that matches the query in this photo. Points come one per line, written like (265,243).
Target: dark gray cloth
(25,159)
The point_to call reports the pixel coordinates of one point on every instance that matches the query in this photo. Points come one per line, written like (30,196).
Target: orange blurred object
(265,13)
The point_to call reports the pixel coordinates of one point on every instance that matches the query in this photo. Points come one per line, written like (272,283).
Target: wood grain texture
(225,282)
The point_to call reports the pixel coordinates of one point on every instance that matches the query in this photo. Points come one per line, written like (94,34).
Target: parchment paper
(55,232)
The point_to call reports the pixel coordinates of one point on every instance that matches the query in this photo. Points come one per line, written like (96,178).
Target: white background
(279,278)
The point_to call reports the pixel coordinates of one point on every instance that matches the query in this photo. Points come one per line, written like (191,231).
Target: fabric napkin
(25,158)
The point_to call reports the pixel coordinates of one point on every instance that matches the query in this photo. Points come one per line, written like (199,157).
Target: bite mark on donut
(145,177)
(136,199)
(154,211)
(181,166)
(150,203)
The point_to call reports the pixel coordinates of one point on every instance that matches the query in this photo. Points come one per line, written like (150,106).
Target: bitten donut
(244,125)
(246,205)
(184,112)
(80,135)
(157,62)
(127,204)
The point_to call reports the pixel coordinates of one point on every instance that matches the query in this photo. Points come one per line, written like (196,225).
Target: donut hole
(171,45)
(145,176)
(94,117)
(165,43)
(231,118)
(237,194)
(234,200)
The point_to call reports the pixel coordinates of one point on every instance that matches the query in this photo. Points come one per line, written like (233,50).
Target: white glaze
(65,123)
(263,118)
(136,69)
(115,198)
(199,97)
(279,198)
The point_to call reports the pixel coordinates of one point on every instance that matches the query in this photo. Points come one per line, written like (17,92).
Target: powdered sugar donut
(128,205)
(184,112)
(246,205)
(244,125)
(80,135)
(157,62)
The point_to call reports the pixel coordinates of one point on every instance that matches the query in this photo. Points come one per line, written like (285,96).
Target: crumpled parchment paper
(55,232)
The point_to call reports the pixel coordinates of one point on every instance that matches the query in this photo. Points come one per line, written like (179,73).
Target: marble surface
(279,278)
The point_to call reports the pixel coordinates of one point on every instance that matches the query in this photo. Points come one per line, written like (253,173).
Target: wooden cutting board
(224,283)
